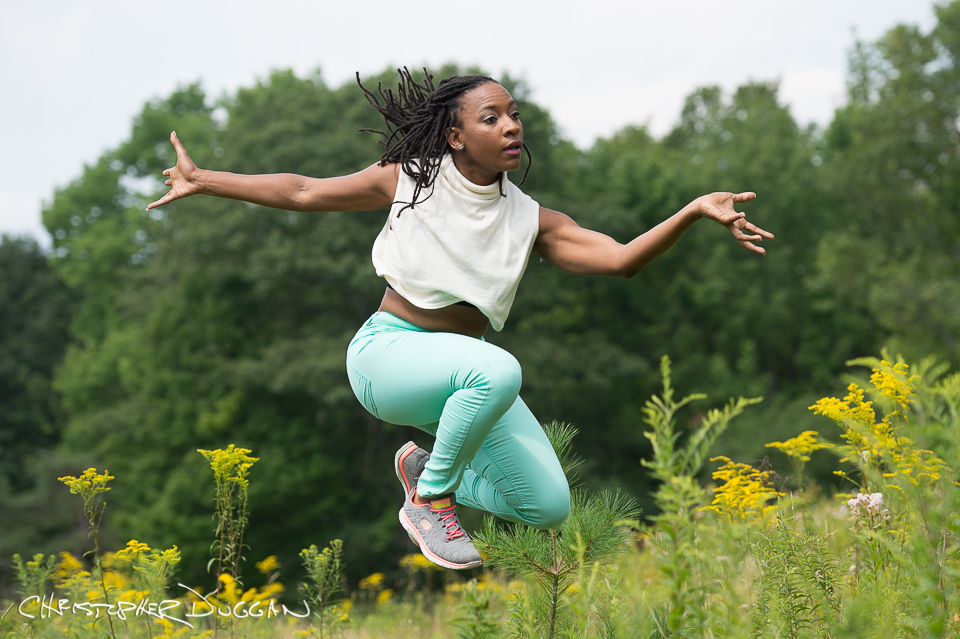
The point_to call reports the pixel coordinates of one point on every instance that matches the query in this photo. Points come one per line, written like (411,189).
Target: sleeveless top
(460,242)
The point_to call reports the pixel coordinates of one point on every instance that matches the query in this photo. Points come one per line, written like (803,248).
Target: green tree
(35,314)
(35,311)
(893,173)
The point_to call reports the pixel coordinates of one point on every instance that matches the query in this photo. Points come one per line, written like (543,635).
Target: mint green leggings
(490,449)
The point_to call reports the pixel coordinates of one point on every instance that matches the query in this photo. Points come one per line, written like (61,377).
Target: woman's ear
(454,138)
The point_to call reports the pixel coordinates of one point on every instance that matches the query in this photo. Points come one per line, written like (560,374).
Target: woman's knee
(551,508)
(503,374)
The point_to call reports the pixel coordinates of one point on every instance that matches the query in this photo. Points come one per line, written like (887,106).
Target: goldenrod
(744,492)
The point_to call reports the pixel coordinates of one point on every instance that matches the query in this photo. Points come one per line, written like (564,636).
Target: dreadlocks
(418,118)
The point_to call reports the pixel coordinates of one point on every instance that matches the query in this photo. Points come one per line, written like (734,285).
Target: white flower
(867,505)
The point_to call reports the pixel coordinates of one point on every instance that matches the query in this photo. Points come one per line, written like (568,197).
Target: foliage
(34,574)
(91,487)
(558,558)
(680,496)
(35,310)
(231,467)
(798,449)
(798,593)
(876,564)
(476,622)
(892,167)
(325,572)
(745,491)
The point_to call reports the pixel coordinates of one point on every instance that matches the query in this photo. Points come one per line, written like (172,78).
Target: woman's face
(491,134)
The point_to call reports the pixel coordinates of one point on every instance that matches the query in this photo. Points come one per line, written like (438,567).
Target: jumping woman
(452,251)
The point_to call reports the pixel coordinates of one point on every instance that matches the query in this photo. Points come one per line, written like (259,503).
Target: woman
(452,252)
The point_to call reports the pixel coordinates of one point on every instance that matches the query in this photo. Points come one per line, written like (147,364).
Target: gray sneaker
(435,528)
(409,462)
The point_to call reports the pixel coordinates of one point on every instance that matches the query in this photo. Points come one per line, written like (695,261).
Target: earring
(459,147)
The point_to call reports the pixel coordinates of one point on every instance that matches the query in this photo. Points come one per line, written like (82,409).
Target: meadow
(754,551)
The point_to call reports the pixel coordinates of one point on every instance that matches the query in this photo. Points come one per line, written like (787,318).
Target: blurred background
(129,339)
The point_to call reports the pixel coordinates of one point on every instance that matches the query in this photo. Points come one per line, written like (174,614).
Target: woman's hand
(183,179)
(719,208)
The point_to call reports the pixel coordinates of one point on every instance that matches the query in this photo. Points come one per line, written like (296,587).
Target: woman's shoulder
(376,178)
(523,200)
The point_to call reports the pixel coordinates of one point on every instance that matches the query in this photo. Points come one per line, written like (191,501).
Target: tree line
(143,336)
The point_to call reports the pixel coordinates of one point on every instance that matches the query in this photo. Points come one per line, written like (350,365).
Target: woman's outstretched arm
(369,189)
(566,244)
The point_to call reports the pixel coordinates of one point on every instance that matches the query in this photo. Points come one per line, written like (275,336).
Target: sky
(75,74)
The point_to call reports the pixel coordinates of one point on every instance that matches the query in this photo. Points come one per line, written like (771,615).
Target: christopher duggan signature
(163,609)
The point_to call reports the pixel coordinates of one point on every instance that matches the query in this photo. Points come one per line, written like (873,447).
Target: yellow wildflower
(114,579)
(373,582)
(268,565)
(877,445)
(271,591)
(914,464)
(385,596)
(486,580)
(852,407)
(417,562)
(133,549)
(68,567)
(87,484)
(892,381)
(344,609)
(77,582)
(232,464)
(745,490)
(169,557)
(798,449)
(800,446)
(133,595)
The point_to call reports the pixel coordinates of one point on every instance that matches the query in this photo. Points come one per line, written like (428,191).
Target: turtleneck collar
(449,171)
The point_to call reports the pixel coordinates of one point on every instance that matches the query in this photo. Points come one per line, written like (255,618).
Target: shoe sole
(417,539)
(398,460)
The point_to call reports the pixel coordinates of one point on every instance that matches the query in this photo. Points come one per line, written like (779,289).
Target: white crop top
(462,243)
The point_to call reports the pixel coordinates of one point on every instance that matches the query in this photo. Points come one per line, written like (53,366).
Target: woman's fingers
(753,228)
(720,208)
(178,146)
(747,241)
(747,233)
(166,198)
(179,173)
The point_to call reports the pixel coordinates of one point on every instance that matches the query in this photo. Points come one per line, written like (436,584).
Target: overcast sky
(74,74)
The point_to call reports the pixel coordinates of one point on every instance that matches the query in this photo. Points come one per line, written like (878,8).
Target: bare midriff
(465,320)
